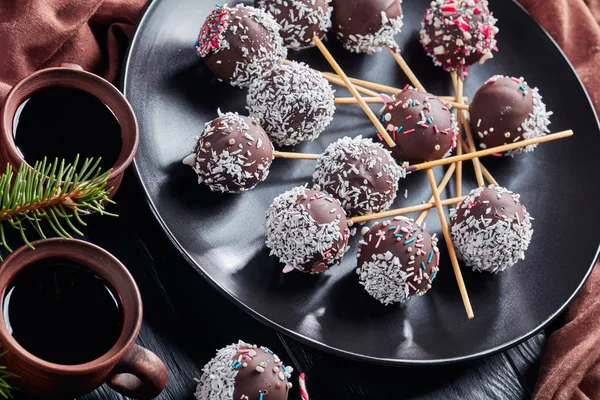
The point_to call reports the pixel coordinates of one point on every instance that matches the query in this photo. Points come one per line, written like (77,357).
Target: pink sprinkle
(435,129)
(497,155)
(394,134)
(385,98)
(445,108)
(243,351)
(411,286)
(424,126)
(378,241)
(409,131)
(437,258)
(477,11)
(515,80)
(380,137)
(287,269)
(406,87)
(408,117)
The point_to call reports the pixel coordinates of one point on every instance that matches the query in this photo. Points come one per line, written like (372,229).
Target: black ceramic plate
(222,236)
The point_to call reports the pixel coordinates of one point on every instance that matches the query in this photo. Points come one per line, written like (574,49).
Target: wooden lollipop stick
(385,88)
(367,84)
(486,174)
(298,156)
(476,163)
(454,77)
(491,150)
(390,142)
(336,80)
(453,99)
(459,279)
(405,210)
(441,187)
(450,160)
(458,90)
(406,69)
(352,100)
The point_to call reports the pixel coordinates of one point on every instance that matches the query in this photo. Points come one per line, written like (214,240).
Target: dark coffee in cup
(63,122)
(62,312)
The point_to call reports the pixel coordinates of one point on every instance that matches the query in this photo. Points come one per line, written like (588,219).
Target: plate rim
(319,345)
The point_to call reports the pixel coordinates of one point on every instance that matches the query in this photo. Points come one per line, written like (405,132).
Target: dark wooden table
(186,320)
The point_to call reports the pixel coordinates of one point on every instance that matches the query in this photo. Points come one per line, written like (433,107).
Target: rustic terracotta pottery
(127,367)
(71,76)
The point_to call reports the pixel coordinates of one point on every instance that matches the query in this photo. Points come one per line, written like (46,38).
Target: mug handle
(139,375)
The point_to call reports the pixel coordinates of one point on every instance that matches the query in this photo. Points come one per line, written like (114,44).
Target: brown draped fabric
(36,34)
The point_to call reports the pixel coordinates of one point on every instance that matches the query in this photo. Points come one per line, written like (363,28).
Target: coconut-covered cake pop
(506,110)
(421,124)
(491,229)
(307,230)
(459,33)
(233,154)
(243,371)
(366,26)
(361,174)
(240,43)
(397,259)
(300,20)
(292,102)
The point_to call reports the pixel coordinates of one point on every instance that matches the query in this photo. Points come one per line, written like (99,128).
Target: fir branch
(6,388)
(54,193)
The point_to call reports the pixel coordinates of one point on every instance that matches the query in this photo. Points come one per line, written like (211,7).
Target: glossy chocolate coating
(250,382)
(498,110)
(359,18)
(458,33)
(300,20)
(505,206)
(320,210)
(248,44)
(361,174)
(413,247)
(233,154)
(302,230)
(419,140)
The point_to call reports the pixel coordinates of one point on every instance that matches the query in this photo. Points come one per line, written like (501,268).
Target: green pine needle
(57,193)
(6,388)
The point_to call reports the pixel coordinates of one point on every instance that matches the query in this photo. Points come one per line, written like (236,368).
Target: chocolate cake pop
(240,43)
(233,154)
(490,229)
(459,33)
(307,230)
(397,259)
(421,124)
(361,174)
(243,371)
(292,102)
(300,20)
(366,26)
(505,110)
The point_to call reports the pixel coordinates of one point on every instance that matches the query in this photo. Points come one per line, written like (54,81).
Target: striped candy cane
(302,385)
